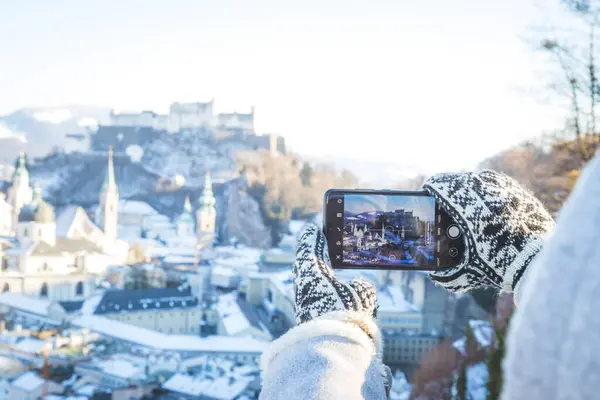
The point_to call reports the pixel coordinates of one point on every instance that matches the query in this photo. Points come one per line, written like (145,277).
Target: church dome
(44,214)
(27,213)
(38,210)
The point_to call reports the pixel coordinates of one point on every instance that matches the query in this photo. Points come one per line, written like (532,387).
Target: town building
(206,216)
(168,310)
(32,308)
(188,387)
(436,304)
(273,296)
(6,216)
(184,116)
(237,349)
(30,386)
(237,319)
(403,348)
(114,372)
(58,258)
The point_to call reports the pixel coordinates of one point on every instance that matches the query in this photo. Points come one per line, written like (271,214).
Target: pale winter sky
(434,84)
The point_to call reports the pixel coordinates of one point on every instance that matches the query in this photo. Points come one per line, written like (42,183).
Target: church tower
(109,201)
(206,216)
(185,222)
(20,193)
(37,221)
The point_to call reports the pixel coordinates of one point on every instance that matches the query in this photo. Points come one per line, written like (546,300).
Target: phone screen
(404,230)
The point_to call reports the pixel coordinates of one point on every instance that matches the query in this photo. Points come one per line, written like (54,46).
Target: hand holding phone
(384,229)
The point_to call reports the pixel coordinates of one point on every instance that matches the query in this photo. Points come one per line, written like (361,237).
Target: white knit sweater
(553,348)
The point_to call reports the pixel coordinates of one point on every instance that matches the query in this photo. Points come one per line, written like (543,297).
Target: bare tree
(573,52)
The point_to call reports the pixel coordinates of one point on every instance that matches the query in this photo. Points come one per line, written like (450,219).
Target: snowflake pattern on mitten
(317,289)
(504,226)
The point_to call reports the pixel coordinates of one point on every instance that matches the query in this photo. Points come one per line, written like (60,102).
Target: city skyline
(332,80)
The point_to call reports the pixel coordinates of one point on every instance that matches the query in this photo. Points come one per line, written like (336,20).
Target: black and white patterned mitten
(317,290)
(504,226)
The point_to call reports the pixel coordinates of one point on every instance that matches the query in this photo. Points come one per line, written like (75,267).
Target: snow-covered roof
(391,298)
(236,323)
(224,271)
(75,223)
(136,207)
(237,315)
(185,343)
(176,259)
(90,304)
(125,300)
(121,368)
(65,220)
(30,345)
(240,257)
(278,256)
(186,384)
(28,304)
(28,382)
(87,390)
(64,246)
(224,388)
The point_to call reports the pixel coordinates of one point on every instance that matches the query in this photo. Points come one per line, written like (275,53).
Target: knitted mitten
(317,290)
(504,226)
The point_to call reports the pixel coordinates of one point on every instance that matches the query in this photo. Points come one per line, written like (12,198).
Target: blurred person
(335,350)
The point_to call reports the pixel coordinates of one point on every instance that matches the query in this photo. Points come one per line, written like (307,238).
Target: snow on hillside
(190,154)
(53,116)
(88,122)
(37,131)
(7,133)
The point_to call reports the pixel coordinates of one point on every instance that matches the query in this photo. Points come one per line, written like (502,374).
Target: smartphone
(389,229)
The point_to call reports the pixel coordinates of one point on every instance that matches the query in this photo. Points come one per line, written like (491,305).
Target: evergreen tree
(137,278)
(494,362)
(306,175)
(461,381)
(471,347)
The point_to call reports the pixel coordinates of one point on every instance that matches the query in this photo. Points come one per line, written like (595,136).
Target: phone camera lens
(453,251)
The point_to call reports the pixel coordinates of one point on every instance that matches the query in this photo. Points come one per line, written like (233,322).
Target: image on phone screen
(389,229)
(380,229)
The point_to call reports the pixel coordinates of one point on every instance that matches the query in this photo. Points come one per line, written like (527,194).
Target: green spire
(109,181)
(37,194)
(186,216)
(207,199)
(21,170)
(187,206)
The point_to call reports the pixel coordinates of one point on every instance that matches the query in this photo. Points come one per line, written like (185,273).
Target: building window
(79,289)
(6,287)
(44,290)
(4,263)
(269,295)
(25,232)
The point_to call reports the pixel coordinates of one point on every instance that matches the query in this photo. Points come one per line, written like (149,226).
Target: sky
(434,85)
(421,206)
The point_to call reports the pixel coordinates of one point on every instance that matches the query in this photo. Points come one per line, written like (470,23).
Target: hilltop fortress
(125,129)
